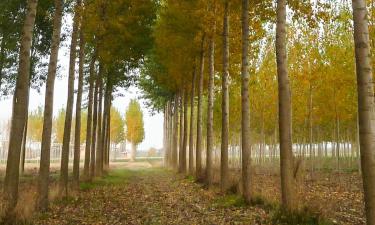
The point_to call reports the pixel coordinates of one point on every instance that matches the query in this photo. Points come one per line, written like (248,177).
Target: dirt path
(147,196)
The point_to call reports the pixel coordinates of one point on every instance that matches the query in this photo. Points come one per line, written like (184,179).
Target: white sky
(153,124)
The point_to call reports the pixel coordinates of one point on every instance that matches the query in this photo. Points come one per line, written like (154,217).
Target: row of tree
(313,79)
(109,39)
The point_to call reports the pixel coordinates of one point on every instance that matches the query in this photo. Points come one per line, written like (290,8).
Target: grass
(118,177)
(278,215)
(301,217)
(231,200)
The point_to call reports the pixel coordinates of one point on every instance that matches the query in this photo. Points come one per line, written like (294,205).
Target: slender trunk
(311,150)
(245,121)
(225,101)
(99,146)
(77,133)
(285,116)
(94,130)
(43,181)
(105,125)
(186,126)
(108,136)
(191,134)
(165,135)
(175,133)
(19,111)
(198,153)
(63,186)
(86,168)
(365,105)
(210,110)
(181,138)
(133,154)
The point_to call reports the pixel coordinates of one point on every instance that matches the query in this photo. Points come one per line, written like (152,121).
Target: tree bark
(191,134)
(77,133)
(99,146)
(63,185)
(225,101)
(105,125)
(94,130)
(285,116)
(175,133)
(198,153)
(133,154)
(86,168)
(19,111)
(24,137)
(186,126)
(245,111)
(181,138)
(44,169)
(210,109)
(365,105)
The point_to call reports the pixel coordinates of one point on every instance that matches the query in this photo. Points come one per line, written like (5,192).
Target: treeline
(240,84)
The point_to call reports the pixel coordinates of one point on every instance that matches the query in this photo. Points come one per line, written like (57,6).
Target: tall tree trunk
(43,181)
(105,125)
(191,133)
(175,133)
(365,105)
(165,136)
(181,138)
(94,130)
(86,168)
(108,136)
(225,101)
(198,153)
(210,108)
(285,116)
(186,126)
(63,186)
(19,111)
(77,133)
(245,121)
(99,146)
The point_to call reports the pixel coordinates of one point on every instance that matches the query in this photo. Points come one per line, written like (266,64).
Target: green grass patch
(301,217)
(190,178)
(114,177)
(118,177)
(230,201)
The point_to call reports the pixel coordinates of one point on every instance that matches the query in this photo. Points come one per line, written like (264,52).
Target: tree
(117,128)
(35,124)
(285,116)
(19,112)
(88,157)
(365,105)
(134,126)
(245,119)
(225,101)
(78,127)
(43,181)
(63,185)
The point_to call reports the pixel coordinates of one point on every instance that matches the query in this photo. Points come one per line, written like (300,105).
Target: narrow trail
(147,196)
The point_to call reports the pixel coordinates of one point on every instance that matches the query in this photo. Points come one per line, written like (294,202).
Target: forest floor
(145,193)
(149,196)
